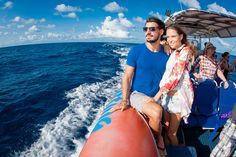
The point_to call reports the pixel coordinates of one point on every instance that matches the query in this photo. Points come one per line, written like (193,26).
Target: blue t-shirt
(149,69)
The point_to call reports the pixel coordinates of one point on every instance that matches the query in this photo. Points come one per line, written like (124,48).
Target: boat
(120,134)
(124,133)
(127,133)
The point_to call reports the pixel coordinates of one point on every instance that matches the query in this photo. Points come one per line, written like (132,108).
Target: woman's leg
(175,119)
(166,125)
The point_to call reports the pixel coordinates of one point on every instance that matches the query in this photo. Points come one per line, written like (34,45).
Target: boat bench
(212,103)
(177,151)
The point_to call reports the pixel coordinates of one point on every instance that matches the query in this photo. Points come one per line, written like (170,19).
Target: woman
(208,68)
(224,64)
(176,87)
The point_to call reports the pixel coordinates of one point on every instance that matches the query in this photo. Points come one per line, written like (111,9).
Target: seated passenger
(227,142)
(208,68)
(224,64)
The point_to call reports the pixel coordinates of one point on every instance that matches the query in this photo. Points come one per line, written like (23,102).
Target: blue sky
(46,21)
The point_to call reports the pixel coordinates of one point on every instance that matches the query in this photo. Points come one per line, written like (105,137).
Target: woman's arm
(222,77)
(176,73)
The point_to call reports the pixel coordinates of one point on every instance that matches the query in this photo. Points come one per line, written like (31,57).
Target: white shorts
(170,104)
(138,100)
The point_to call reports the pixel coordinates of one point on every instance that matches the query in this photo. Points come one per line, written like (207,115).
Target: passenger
(145,67)
(224,64)
(227,143)
(176,87)
(166,46)
(208,68)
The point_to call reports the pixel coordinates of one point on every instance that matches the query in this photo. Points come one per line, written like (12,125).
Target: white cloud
(123,20)
(42,20)
(113,7)
(157,14)
(8,4)
(51,26)
(223,43)
(68,8)
(2,27)
(29,38)
(14,33)
(20,26)
(139,19)
(28,21)
(191,3)
(71,15)
(17,19)
(117,28)
(33,28)
(51,35)
(89,9)
(216,8)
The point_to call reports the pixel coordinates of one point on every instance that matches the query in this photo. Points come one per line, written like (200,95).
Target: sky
(48,21)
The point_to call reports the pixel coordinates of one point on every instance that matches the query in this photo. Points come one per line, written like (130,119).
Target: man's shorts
(138,100)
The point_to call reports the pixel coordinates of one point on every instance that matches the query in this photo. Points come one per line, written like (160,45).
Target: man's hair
(160,23)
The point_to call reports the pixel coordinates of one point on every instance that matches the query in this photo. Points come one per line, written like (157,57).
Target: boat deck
(199,138)
(194,137)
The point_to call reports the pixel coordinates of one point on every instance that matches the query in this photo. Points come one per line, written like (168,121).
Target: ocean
(52,94)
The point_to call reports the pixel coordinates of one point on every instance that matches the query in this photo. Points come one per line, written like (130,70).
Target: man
(145,66)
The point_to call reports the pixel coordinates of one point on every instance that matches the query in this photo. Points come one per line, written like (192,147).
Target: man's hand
(122,105)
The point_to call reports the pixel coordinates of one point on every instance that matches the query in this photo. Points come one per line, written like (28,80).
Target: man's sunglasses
(152,29)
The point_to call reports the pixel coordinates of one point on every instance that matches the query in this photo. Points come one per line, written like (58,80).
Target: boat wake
(65,135)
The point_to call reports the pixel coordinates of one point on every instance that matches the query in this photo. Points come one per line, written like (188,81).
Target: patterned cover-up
(207,69)
(176,78)
(227,144)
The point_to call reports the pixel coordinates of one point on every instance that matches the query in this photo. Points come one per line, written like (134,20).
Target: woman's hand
(226,84)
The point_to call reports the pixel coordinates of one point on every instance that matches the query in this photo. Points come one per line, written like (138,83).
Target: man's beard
(153,40)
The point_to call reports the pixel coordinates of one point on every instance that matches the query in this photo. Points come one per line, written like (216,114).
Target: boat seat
(227,99)
(177,151)
(205,105)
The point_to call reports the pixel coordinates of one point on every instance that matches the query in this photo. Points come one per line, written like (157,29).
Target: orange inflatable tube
(120,134)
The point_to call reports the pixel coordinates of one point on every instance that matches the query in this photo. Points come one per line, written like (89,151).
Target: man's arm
(126,82)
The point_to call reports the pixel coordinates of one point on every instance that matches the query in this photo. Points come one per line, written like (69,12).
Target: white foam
(58,133)
(122,51)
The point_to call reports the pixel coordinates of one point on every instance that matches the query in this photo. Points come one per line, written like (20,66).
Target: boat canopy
(204,24)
